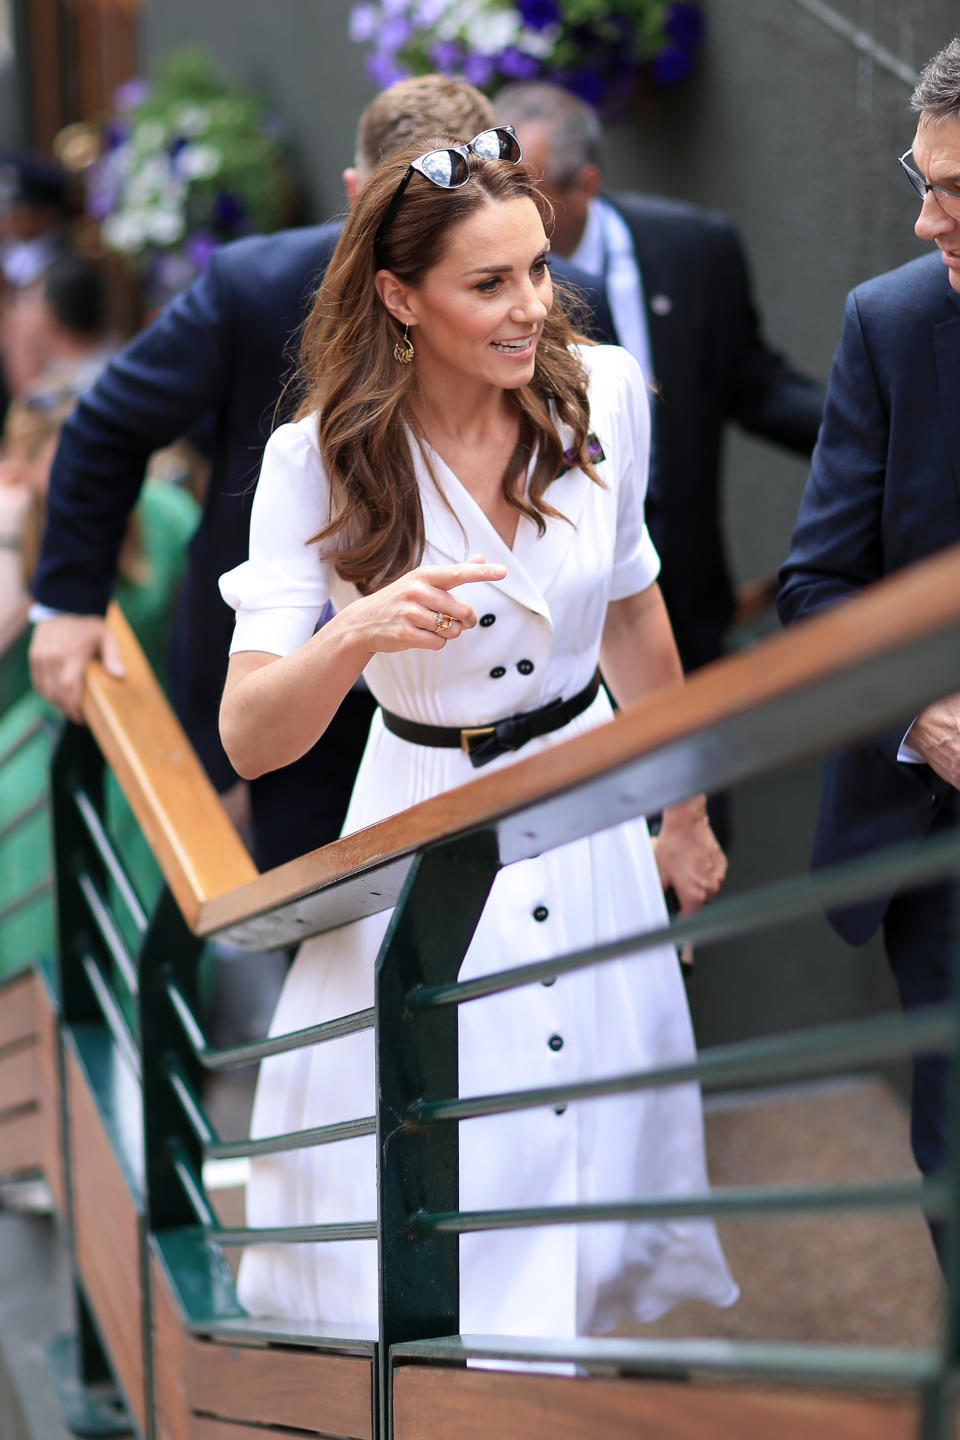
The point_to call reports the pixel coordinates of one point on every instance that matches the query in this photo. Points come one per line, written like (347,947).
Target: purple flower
(228,212)
(200,247)
(446,56)
(586,82)
(130,94)
(395,33)
(671,64)
(538,14)
(384,69)
(516,64)
(684,23)
(115,134)
(479,69)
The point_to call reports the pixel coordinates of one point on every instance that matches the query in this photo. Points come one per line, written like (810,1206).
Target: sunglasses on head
(450,168)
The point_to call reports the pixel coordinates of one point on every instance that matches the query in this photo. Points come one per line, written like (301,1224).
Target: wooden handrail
(193,840)
(860,665)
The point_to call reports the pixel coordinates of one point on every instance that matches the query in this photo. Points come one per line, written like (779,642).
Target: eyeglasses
(449,169)
(947,199)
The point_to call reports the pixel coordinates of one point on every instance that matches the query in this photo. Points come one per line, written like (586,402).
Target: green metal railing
(444,889)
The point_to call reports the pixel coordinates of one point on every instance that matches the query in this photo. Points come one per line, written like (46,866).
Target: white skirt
(618,1017)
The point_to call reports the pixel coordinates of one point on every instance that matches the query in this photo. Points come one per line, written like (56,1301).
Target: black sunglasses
(449,169)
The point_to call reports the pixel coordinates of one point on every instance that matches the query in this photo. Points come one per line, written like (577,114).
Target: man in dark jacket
(884,491)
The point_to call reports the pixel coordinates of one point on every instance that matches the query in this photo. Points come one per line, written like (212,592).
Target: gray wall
(791,128)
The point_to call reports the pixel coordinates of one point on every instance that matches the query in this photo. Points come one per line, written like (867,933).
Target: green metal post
(417,1057)
(76,763)
(169,952)
(78,1369)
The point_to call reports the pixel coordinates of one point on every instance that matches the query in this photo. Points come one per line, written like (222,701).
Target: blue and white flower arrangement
(185,164)
(600,49)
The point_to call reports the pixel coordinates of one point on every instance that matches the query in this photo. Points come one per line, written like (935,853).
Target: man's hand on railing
(60,650)
(935,734)
(688,856)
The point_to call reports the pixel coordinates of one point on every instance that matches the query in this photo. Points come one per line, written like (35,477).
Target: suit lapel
(657,276)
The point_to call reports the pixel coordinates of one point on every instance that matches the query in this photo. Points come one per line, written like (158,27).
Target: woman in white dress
(464,487)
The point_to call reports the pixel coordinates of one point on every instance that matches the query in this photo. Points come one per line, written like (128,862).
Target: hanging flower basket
(185,164)
(602,50)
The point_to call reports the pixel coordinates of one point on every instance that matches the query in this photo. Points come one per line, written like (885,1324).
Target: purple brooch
(594,455)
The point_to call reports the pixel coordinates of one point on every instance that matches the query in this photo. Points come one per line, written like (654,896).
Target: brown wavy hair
(362,396)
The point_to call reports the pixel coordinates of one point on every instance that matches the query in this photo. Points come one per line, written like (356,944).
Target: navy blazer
(883,491)
(221,352)
(712,366)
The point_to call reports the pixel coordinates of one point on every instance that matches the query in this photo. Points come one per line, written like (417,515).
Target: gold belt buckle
(474,732)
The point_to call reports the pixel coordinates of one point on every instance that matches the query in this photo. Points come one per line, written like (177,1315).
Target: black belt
(484,743)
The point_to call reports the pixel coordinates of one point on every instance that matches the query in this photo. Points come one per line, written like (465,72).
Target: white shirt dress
(538,640)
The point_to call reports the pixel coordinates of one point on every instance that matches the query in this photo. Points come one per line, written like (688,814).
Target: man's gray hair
(576,135)
(937,92)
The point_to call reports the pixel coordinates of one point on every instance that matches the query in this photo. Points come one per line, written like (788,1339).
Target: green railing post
(417,1058)
(76,764)
(169,952)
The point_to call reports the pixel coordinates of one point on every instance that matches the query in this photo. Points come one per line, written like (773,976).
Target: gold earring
(403,351)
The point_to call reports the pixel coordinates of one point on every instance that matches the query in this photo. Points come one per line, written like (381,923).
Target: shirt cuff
(42,612)
(907,755)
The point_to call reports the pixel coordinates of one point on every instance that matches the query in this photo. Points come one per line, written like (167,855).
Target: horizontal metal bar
(294,1140)
(109,932)
(229,1056)
(216,1149)
(931,1196)
(853,1366)
(297,1234)
(776,1057)
(112,1013)
(22,741)
(22,816)
(20,902)
(192,1185)
(732,917)
(107,852)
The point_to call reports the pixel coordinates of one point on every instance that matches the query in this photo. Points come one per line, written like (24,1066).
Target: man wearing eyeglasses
(883,491)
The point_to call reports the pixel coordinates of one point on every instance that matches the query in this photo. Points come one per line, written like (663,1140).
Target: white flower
(191,119)
(457,16)
(198,162)
(363,22)
(163,227)
(124,231)
(538,43)
(148,135)
(491,31)
(151,176)
(428,12)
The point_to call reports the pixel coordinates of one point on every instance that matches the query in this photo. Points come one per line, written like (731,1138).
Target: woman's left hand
(688,855)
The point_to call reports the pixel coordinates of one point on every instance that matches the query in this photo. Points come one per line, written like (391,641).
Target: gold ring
(443,622)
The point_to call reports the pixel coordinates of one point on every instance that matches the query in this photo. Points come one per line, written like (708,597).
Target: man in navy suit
(220,353)
(678,285)
(883,491)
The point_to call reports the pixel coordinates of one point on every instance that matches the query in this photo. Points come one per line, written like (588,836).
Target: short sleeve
(636,563)
(281,589)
